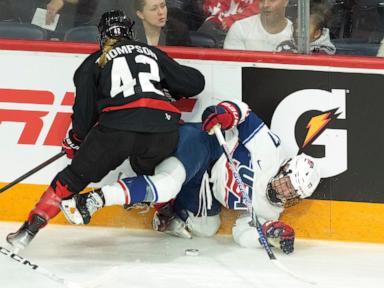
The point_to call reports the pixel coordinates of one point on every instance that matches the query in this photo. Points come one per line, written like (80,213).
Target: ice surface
(113,257)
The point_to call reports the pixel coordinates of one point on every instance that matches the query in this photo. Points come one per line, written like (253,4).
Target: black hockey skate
(167,221)
(21,239)
(80,208)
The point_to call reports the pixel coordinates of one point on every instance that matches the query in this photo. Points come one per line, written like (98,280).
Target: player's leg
(64,185)
(166,220)
(161,187)
(85,168)
(203,226)
(196,153)
(183,223)
(148,151)
(158,188)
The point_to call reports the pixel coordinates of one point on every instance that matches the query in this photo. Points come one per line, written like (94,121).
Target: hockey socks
(129,191)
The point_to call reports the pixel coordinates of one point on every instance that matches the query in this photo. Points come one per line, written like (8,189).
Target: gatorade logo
(309,121)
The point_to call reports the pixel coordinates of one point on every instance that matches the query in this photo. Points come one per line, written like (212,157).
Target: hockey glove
(71,144)
(226,114)
(279,235)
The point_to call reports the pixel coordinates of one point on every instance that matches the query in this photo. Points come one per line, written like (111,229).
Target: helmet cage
(280,190)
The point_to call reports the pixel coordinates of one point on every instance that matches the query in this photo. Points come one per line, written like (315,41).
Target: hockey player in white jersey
(199,181)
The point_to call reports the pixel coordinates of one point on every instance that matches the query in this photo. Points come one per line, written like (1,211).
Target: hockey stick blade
(248,202)
(33,171)
(37,268)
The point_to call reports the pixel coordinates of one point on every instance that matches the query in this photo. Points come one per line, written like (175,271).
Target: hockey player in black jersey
(120,112)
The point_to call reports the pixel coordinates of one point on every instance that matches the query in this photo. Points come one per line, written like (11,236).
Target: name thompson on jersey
(128,49)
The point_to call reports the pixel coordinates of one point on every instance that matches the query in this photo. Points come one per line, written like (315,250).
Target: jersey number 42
(122,80)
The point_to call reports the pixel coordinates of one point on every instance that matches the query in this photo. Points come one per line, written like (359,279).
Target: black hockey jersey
(128,93)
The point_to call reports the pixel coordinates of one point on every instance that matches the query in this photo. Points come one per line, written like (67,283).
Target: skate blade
(181,234)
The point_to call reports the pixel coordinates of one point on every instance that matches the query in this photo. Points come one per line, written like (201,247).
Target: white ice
(115,257)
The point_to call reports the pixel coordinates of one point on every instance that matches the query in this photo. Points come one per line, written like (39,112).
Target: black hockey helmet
(115,24)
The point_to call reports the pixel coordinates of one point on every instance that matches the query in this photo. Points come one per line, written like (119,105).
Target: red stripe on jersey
(185,105)
(145,103)
(126,192)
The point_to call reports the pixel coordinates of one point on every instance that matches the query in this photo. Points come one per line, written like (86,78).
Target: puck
(192,252)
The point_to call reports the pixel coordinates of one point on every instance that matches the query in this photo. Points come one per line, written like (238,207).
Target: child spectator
(320,42)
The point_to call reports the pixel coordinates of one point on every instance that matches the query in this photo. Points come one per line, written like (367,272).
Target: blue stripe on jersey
(250,127)
(137,188)
(253,134)
(153,188)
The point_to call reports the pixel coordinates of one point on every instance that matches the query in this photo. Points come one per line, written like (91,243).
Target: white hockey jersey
(258,155)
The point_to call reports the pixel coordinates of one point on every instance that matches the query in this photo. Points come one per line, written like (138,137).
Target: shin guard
(49,204)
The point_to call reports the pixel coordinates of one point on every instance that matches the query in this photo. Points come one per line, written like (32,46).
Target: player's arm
(85,114)
(279,234)
(227,114)
(180,80)
(84,109)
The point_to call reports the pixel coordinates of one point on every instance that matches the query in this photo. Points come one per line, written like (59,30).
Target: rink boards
(327,107)
(312,219)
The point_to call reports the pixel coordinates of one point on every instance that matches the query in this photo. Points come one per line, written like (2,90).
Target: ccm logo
(39,109)
(18,258)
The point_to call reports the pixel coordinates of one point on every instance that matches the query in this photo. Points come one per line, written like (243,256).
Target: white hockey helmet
(297,179)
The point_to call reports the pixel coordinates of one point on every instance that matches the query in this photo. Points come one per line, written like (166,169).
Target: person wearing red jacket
(221,14)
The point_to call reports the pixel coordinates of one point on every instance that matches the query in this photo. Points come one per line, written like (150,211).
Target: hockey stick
(248,203)
(34,267)
(33,171)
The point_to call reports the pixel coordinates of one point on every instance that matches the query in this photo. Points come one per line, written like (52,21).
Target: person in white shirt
(261,32)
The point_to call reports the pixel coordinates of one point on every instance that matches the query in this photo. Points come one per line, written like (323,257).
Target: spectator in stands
(54,6)
(88,12)
(25,10)
(153,29)
(153,15)
(320,42)
(221,14)
(261,32)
